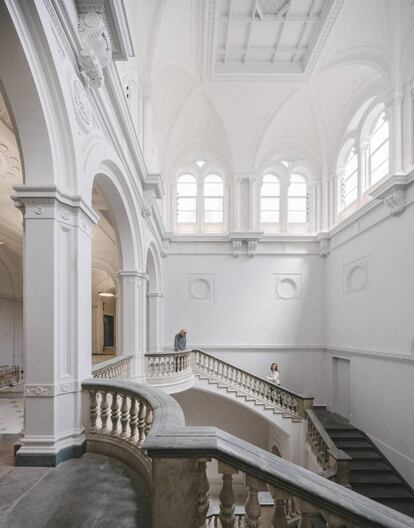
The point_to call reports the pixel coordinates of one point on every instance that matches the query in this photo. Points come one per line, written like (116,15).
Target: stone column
(154,324)
(131,319)
(57,323)
(175,493)
(236,205)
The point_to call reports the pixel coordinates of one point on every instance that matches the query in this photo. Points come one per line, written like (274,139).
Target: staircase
(371,474)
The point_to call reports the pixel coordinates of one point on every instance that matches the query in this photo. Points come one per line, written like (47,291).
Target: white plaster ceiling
(244,110)
(274,37)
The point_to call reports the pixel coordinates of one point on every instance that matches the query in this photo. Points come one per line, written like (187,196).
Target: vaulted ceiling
(246,80)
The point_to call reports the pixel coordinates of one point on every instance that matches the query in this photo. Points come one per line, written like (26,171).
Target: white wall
(372,325)
(242,308)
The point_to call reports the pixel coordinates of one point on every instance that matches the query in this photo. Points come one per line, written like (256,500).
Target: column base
(49,459)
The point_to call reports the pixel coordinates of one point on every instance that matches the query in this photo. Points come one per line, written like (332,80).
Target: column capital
(40,202)
(133,274)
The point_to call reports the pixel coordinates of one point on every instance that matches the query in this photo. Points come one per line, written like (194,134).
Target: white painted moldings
(355,276)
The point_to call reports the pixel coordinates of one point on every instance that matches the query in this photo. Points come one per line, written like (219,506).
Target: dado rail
(143,424)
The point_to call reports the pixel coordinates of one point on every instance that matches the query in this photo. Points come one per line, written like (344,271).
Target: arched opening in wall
(105,266)
(11,277)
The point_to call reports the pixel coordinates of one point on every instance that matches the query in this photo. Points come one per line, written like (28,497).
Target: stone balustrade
(116,368)
(10,375)
(161,365)
(133,421)
(334,461)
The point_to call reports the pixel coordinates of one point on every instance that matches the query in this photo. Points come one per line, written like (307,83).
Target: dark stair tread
(346,435)
(406,507)
(339,427)
(353,444)
(374,478)
(383,492)
(371,466)
(363,454)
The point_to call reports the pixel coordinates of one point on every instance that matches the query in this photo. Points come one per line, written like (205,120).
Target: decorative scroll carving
(81,104)
(237,248)
(396,202)
(96,51)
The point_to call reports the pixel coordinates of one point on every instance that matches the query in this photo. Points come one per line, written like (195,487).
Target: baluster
(226,514)
(104,411)
(203,498)
(148,421)
(133,420)
(307,511)
(114,412)
(279,512)
(93,410)
(253,509)
(141,422)
(124,416)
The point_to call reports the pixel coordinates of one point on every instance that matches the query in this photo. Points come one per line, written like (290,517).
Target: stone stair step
(372,466)
(406,507)
(383,492)
(374,478)
(353,444)
(365,454)
(346,435)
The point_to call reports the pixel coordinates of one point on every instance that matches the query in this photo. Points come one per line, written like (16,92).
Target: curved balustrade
(116,368)
(259,388)
(332,459)
(151,423)
(10,375)
(161,365)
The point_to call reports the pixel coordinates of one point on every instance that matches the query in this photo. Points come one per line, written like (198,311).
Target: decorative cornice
(393,192)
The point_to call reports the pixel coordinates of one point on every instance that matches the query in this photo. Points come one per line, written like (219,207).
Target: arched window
(379,150)
(270,200)
(186,199)
(349,184)
(297,200)
(213,192)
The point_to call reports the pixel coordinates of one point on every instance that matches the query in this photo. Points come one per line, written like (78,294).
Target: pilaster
(57,322)
(154,323)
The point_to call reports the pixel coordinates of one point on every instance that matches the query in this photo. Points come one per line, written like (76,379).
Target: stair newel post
(226,515)
(252,507)
(114,412)
(203,497)
(280,498)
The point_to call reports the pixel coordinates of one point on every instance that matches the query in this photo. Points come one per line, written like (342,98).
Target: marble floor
(93,491)
(11,415)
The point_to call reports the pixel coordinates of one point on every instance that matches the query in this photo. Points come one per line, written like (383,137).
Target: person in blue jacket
(180,341)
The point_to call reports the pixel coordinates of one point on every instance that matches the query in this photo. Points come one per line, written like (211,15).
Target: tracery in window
(297,200)
(186,199)
(379,150)
(270,200)
(213,192)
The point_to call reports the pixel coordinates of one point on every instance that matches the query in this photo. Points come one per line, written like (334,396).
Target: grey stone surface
(91,492)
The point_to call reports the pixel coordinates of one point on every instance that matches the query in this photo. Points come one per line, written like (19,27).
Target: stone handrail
(179,456)
(161,365)
(334,461)
(259,388)
(118,367)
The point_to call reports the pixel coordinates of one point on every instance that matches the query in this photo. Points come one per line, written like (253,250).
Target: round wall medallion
(357,278)
(200,289)
(287,289)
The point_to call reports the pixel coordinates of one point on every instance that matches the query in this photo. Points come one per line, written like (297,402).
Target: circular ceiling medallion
(287,289)
(200,289)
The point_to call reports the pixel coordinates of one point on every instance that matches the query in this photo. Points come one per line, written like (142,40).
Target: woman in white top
(274,374)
